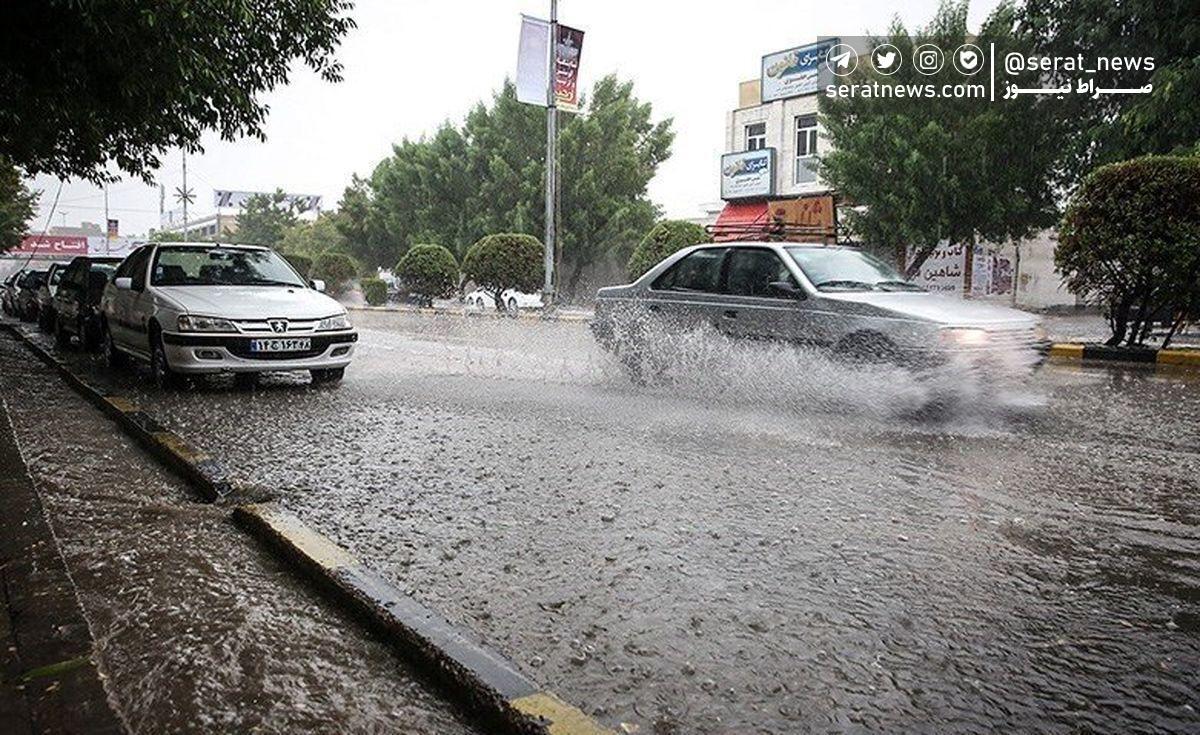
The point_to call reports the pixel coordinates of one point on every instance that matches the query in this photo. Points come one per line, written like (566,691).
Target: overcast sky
(412,64)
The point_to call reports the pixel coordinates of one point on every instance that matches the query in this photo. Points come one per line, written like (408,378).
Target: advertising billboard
(51,245)
(748,175)
(225,198)
(796,71)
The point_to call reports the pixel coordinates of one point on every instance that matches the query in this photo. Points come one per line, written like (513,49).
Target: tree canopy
(502,261)
(265,218)
(85,84)
(665,238)
(16,206)
(428,271)
(486,176)
(933,170)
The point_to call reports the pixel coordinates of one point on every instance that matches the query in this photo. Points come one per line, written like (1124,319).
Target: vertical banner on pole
(567,49)
(533,70)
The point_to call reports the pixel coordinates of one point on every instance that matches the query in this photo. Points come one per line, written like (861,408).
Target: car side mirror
(318,284)
(124,283)
(786,288)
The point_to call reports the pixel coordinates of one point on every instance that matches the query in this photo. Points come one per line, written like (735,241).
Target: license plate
(295,344)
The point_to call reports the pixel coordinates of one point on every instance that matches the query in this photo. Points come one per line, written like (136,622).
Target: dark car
(45,296)
(25,302)
(77,301)
(8,292)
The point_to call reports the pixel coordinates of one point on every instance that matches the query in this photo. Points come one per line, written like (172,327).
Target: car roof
(244,246)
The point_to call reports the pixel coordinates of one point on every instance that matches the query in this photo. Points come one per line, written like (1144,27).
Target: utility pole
(185,196)
(551,161)
(107,236)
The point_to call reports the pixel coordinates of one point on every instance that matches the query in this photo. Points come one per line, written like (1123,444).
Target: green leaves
(428,271)
(662,240)
(505,260)
(264,219)
(16,206)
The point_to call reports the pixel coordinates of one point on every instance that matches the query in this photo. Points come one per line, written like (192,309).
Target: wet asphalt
(768,542)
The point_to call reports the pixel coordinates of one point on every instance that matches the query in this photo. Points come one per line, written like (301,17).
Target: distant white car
(512,300)
(189,308)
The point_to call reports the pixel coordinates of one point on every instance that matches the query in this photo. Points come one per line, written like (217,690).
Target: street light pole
(551,161)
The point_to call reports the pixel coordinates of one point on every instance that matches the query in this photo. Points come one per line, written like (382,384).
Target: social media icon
(886,58)
(928,59)
(968,59)
(841,60)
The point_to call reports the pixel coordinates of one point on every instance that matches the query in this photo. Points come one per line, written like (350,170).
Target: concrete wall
(1038,285)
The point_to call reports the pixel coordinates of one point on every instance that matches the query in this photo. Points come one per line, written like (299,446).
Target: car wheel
(61,338)
(86,335)
(160,369)
(327,375)
(114,357)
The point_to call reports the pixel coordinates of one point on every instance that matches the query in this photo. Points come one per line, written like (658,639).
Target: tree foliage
(314,237)
(665,238)
(487,176)
(374,291)
(88,83)
(302,263)
(336,269)
(264,219)
(1130,239)
(428,271)
(931,170)
(16,206)
(502,261)
(1116,127)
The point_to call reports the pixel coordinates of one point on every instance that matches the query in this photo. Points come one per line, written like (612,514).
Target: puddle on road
(756,546)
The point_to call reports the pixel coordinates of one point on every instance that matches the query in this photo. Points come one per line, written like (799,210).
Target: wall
(780,117)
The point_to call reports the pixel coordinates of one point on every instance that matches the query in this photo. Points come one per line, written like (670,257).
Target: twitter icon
(885,58)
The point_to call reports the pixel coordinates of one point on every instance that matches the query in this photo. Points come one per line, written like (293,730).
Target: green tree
(429,271)
(264,219)
(87,83)
(336,269)
(931,170)
(1115,127)
(302,263)
(665,238)
(16,206)
(502,261)
(487,176)
(374,291)
(1130,239)
(314,237)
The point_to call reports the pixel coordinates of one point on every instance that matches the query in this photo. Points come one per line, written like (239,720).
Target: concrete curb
(1189,358)
(489,684)
(204,473)
(529,315)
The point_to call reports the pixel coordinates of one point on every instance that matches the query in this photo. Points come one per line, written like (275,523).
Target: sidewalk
(48,677)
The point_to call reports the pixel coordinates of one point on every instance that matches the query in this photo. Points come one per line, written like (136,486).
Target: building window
(806,149)
(756,136)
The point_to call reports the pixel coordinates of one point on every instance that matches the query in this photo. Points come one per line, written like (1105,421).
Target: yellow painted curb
(124,405)
(563,718)
(1190,358)
(179,447)
(1073,351)
(310,543)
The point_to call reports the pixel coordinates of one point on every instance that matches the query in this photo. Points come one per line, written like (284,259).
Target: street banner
(113,227)
(566,68)
(533,54)
(51,245)
(796,71)
(227,199)
(942,272)
(749,174)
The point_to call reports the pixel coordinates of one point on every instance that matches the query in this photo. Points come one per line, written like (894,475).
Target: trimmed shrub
(301,263)
(503,261)
(1130,240)
(428,272)
(336,269)
(374,290)
(663,239)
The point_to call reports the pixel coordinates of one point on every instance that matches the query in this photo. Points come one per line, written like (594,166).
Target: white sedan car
(196,308)
(510,299)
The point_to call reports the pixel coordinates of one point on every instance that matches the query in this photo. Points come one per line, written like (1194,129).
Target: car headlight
(963,337)
(193,323)
(331,323)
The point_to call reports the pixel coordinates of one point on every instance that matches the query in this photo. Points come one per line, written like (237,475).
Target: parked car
(196,308)
(25,303)
(8,292)
(836,297)
(45,296)
(512,300)
(77,300)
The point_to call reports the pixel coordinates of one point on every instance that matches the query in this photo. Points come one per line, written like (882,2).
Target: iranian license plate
(294,344)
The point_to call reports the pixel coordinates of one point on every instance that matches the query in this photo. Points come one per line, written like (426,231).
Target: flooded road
(763,544)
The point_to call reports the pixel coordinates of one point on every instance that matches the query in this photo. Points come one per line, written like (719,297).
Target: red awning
(740,218)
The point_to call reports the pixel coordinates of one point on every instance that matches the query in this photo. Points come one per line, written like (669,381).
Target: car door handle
(729,314)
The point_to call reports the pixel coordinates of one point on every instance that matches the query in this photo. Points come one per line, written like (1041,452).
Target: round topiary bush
(503,261)
(374,291)
(336,269)
(302,263)
(429,272)
(665,238)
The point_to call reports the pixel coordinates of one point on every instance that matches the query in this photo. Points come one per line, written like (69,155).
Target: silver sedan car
(835,297)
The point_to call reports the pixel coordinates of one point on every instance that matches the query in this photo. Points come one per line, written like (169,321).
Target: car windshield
(844,269)
(217,266)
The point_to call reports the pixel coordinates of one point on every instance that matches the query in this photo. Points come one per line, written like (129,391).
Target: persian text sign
(795,71)
(942,271)
(567,49)
(748,174)
(52,245)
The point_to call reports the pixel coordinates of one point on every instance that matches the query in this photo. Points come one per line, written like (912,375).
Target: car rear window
(699,271)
